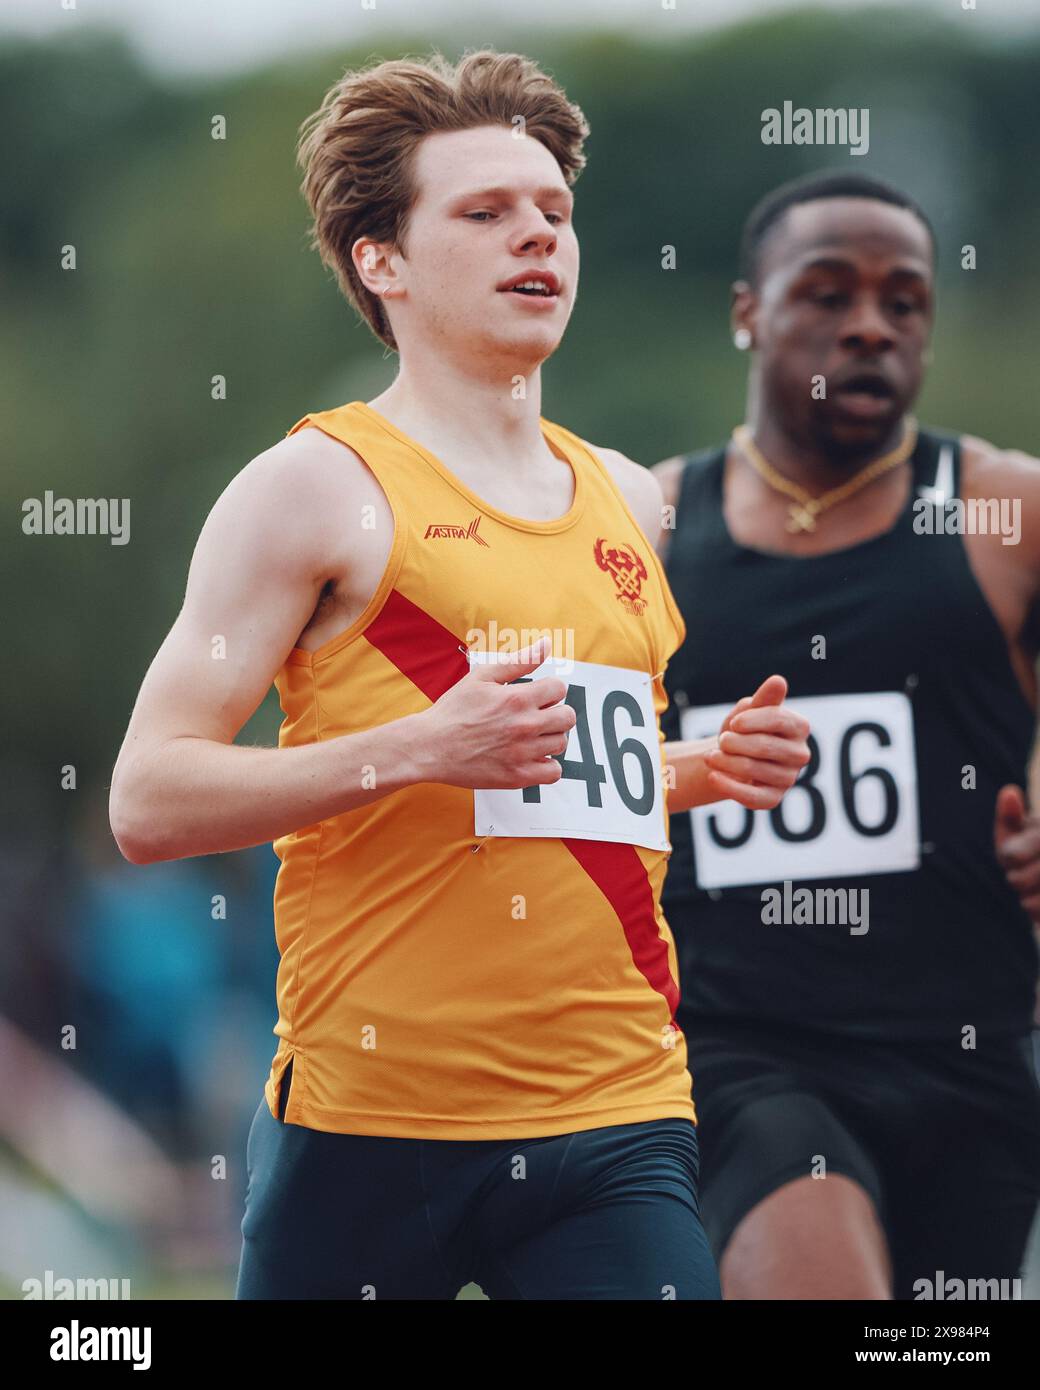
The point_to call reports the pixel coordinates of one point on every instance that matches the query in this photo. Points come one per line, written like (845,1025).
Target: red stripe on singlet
(418,645)
(618,873)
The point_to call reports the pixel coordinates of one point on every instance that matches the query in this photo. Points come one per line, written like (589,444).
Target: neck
(466,417)
(807,460)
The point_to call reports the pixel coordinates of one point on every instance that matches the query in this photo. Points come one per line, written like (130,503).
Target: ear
(376,264)
(743,307)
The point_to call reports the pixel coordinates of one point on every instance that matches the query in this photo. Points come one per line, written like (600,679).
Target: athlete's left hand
(1016,839)
(761,749)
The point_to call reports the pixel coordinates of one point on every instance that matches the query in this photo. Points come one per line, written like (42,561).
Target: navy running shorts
(945,1141)
(607,1213)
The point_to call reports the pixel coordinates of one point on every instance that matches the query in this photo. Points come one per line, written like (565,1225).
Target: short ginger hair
(358,149)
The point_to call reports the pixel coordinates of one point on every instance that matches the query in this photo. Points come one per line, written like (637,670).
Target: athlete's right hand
(486,733)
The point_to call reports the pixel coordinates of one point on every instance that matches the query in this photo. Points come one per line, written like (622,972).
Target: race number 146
(611,783)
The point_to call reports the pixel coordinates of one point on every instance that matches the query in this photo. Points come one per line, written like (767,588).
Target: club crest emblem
(627,570)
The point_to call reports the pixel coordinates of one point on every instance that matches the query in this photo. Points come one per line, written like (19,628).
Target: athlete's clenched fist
(486,733)
(761,748)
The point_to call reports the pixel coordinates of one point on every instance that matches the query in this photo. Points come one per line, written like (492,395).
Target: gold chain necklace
(805,508)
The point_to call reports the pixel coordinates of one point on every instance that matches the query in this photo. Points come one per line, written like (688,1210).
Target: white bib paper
(853,810)
(611,787)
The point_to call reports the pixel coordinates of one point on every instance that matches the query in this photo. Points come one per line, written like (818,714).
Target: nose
(534,232)
(865,327)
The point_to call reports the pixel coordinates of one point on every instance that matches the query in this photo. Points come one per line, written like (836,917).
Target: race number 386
(852,811)
(611,783)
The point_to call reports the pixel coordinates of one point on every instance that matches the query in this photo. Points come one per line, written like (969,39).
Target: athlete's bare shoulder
(668,473)
(638,486)
(312,484)
(987,463)
(669,477)
(341,522)
(1008,480)
(310,455)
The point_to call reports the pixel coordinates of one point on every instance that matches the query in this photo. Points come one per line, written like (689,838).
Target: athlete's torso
(892,651)
(434,982)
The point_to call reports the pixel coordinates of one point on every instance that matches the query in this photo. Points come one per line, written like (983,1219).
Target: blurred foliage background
(192,261)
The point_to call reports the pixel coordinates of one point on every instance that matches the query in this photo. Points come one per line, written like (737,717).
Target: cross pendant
(801,519)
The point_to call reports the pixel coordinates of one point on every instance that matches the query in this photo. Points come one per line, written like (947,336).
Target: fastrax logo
(456,533)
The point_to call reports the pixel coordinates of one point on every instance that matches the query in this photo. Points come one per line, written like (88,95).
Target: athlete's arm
(181,787)
(669,475)
(761,747)
(1011,474)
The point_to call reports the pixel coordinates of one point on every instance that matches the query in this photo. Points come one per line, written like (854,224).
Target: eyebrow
(551,191)
(838,263)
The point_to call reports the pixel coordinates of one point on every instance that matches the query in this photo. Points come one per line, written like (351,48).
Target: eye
(478,214)
(902,307)
(558,215)
(829,299)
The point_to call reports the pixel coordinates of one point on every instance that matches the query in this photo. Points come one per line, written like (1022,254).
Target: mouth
(537,285)
(866,395)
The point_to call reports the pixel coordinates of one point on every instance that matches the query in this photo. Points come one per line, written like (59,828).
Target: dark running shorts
(606,1213)
(945,1141)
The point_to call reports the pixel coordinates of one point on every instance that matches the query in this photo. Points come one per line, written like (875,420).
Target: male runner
(478,1075)
(869,1118)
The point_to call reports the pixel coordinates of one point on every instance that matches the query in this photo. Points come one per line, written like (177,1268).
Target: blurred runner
(857,972)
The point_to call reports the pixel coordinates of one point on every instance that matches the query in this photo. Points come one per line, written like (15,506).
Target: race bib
(611,783)
(852,811)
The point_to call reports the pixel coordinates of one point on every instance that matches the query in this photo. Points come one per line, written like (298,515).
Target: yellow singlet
(433,983)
